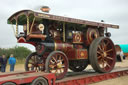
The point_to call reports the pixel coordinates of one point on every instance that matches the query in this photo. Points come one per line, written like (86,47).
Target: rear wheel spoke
(102,45)
(109,58)
(100,48)
(99,57)
(99,52)
(107,64)
(107,44)
(109,50)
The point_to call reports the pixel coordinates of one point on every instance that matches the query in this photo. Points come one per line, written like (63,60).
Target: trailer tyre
(39,81)
(102,54)
(9,83)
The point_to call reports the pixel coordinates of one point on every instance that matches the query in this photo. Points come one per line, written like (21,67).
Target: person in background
(122,54)
(0,62)
(3,63)
(12,62)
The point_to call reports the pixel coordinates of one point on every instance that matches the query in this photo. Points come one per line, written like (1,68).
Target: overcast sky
(111,11)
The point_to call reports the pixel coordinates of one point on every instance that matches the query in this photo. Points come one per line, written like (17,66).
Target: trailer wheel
(9,83)
(57,63)
(39,81)
(90,35)
(34,63)
(78,65)
(102,54)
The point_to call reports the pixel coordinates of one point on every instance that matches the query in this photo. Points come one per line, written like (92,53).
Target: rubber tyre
(9,83)
(39,81)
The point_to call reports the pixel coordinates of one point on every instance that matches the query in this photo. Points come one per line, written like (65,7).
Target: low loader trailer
(72,78)
(63,43)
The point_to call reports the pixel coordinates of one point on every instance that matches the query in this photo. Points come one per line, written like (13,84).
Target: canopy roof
(21,17)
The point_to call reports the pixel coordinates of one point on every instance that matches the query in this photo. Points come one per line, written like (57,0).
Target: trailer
(72,78)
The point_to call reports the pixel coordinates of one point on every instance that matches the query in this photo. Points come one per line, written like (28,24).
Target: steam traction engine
(63,43)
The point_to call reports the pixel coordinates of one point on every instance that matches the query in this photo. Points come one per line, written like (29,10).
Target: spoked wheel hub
(102,54)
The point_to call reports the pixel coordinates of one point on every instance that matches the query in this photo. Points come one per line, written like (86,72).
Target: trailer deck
(89,76)
(26,77)
(77,78)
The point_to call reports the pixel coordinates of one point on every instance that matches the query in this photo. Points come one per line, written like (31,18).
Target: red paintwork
(23,40)
(93,78)
(14,73)
(27,77)
(81,54)
(76,54)
(75,80)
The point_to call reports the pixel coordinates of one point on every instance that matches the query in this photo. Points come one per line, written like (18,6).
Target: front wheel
(34,63)
(102,54)
(57,63)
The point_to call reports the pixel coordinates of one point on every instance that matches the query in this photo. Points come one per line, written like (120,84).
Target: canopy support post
(27,25)
(63,31)
(16,28)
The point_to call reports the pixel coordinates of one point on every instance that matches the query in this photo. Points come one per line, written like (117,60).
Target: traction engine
(63,43)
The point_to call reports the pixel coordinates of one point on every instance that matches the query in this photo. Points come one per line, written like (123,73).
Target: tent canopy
(124,48)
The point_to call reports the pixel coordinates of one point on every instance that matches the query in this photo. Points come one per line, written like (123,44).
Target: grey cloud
(112,11)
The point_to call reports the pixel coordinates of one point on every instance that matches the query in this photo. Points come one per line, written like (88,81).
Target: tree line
(19,52)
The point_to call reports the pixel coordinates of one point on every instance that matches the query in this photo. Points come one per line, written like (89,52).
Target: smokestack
(45,9)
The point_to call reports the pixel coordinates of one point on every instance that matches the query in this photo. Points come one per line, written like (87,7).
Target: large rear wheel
(57,63)
(102,54)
